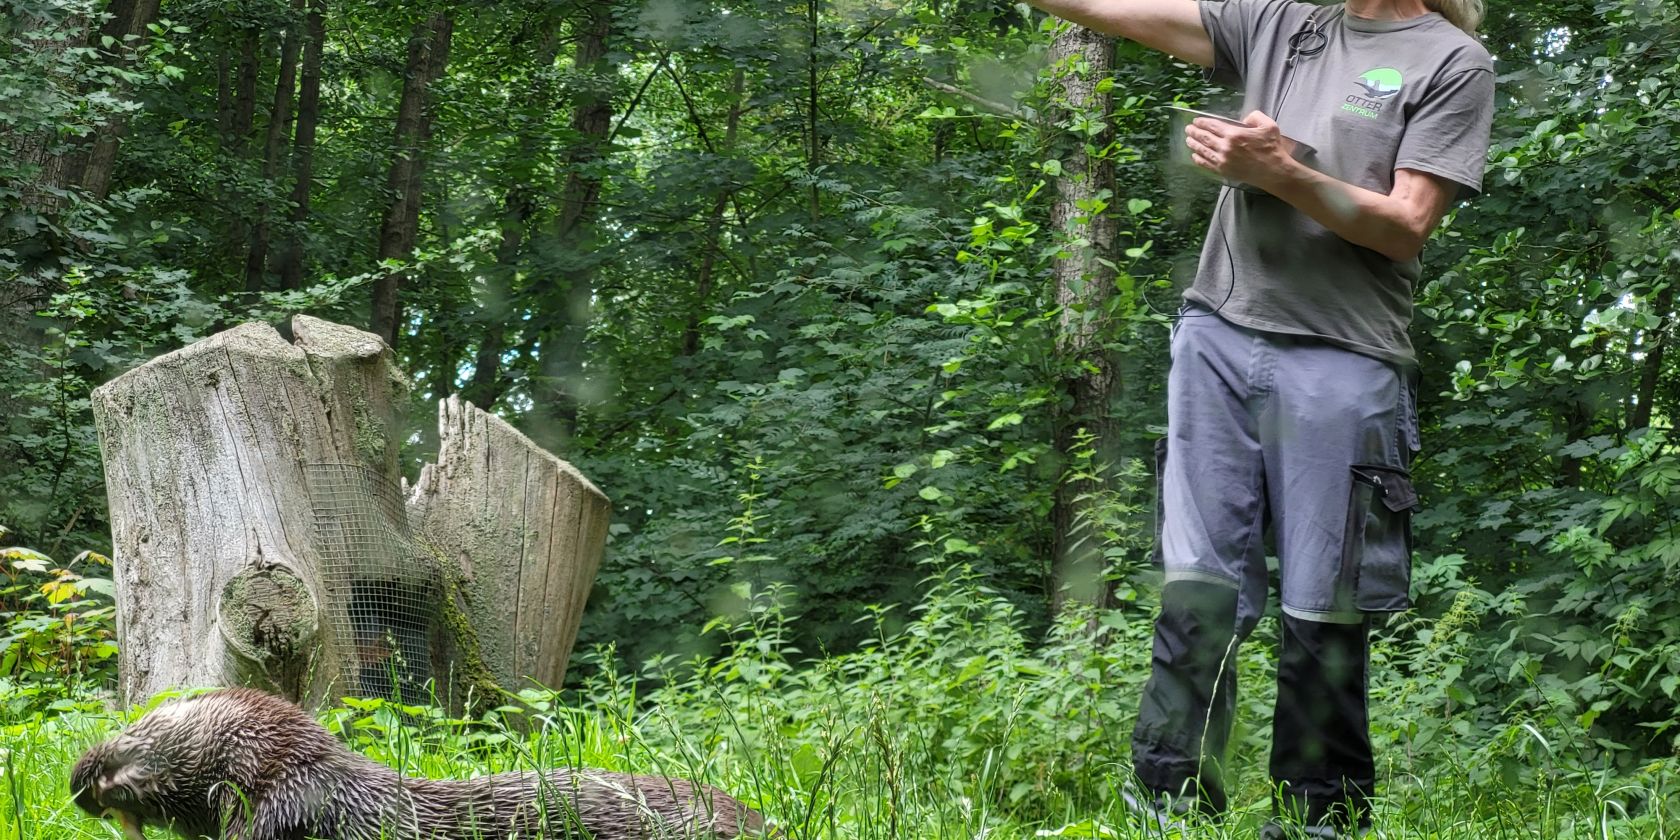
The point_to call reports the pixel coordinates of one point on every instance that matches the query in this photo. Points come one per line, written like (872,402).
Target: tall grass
(951,726)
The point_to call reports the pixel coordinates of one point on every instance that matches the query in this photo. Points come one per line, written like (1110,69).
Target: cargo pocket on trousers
(1158,555)
(1377,545)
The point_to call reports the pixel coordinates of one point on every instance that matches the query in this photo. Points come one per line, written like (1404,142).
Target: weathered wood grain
(526,529)
(220,464)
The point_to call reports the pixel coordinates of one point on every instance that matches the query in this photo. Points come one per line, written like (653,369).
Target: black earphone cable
(1230,288)
(1309,42)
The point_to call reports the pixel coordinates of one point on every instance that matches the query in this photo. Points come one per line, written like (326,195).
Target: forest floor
(871,786)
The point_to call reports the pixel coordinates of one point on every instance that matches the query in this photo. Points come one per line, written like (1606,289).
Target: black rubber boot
(1322,768)
(1184,719)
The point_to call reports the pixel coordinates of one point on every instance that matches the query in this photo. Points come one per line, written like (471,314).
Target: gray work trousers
(1298,435)
(1309,441)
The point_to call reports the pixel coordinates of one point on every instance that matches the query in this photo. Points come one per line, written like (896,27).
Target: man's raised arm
(1171,26)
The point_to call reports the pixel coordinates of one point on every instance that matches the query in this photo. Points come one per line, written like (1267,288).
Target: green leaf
(1010,419)
(99,586)
(26,559)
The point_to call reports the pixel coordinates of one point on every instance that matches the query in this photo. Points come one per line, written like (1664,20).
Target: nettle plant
(57,629)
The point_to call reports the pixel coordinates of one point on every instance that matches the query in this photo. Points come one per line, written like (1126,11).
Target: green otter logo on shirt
(1378,86)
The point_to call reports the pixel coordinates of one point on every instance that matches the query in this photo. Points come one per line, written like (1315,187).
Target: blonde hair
(1464,14)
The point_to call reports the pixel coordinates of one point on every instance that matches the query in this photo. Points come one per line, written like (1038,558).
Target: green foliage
(955,725)
(1549,526)
(57,632)
(794,286)
(58,87)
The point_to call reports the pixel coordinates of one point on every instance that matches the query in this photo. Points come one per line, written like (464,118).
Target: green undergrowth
(951,724)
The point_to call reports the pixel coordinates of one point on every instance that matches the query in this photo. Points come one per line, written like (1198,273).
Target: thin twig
(977,100)
(637,101)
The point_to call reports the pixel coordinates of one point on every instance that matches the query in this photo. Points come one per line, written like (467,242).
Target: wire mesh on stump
(382,592)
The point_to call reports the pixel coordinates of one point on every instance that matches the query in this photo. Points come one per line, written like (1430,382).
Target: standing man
(1290,401)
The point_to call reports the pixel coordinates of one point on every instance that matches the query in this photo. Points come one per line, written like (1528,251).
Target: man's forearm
(1089,14)
(1255,151)
(1171,26)
(1391,225)
(1083,12)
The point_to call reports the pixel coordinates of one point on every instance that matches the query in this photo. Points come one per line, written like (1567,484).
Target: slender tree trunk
(239,119)
(303,144)
(245,88)
(713,243)
(591,121)
(518,206)
(46,154)
(1084,283)
(129,19)
(279,124)
(1655,356)
(486,385)
(224,95)
(813,155)
(562,342)
(428,54)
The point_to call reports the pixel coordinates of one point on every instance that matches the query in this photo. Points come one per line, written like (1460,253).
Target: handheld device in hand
(1183,116)
(1192,113)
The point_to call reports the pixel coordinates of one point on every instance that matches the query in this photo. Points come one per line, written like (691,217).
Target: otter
(240,764)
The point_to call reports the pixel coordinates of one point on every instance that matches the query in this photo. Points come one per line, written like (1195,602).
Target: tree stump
(498,510)
(262,539)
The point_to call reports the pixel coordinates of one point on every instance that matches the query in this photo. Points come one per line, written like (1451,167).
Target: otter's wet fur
(239,764)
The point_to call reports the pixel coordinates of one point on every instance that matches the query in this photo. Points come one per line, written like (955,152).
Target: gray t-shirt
(1382,95)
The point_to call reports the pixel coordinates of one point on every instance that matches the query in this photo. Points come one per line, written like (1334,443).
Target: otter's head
(159,771)
(121,778)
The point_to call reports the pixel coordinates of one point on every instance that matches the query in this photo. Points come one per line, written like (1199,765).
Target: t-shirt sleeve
(1448,134)
(1236,27)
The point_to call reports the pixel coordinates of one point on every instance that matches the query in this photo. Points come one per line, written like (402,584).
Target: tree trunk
(261,537)
(562,341)
(128,22)
(240,117)
(591,121)
(303,144)
(428,54)
(244,111)
(206,453)
(224,96)
(45,154)
(486,385)
(1084,282)
(518,206)
(713,243)
(279,123)
(813,151)
(1656,355)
